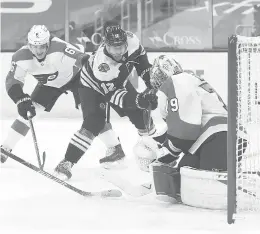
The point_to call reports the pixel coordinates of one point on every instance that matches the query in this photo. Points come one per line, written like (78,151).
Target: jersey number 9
(173,104)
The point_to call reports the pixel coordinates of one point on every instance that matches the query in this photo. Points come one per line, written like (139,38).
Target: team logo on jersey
(103,67)
(44,78)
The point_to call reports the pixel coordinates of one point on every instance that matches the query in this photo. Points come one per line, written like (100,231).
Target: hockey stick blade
(126,186)
(103,194)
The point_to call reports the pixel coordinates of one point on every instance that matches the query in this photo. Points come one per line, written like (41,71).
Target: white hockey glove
(147,150)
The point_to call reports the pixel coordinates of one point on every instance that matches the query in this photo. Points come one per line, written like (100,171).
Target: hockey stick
(41,164)
(126,186)
(147,115)
(108,112)
(103,194)
(147,119)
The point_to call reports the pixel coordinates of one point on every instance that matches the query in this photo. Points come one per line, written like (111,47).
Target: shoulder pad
(100,56)
(132,41)
(56,45)
(22,54)
(132,38)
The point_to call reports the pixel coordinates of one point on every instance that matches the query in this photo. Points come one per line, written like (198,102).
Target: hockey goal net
(243,126)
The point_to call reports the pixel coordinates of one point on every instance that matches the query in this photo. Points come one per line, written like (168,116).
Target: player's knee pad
(166,181)
(145,152)
(94,123)
(204,189)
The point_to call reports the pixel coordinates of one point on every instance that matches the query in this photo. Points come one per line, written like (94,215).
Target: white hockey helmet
(163,68)
(38,35)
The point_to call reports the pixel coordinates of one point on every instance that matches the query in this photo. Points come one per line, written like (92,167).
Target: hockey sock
(17,131)
(108,136)
(79,144)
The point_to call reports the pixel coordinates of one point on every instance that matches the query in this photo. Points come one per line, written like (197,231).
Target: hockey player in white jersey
(104,79)
(196,119)
(55,64)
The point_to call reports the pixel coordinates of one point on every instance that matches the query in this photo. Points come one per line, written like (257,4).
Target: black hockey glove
(147,99)
(24,104)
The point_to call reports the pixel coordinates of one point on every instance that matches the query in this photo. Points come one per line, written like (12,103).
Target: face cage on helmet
(158,77)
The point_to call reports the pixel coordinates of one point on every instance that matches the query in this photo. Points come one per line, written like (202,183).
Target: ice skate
(63,170)
(114,158)
(4,157)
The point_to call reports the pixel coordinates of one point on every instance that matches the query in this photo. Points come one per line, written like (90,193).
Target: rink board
(211,66)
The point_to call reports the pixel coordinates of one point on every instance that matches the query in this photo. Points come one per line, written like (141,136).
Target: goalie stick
(103,194)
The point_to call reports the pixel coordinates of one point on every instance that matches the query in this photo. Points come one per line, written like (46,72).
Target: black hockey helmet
(114,35)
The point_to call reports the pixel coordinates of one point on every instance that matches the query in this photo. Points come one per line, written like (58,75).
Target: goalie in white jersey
(196,119)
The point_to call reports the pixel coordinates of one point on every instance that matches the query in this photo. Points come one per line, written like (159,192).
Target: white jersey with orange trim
(62,62)
(192,109)
(108,77)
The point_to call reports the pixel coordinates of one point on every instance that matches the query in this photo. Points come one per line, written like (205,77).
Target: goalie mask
(38,41)
(163,68)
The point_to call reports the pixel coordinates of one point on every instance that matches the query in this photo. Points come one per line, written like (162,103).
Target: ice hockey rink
(31,203)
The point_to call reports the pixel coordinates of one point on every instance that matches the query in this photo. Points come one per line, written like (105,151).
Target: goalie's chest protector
(183,111)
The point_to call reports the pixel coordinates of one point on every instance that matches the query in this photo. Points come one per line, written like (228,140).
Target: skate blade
(165,198)
(61,176)
(118,165)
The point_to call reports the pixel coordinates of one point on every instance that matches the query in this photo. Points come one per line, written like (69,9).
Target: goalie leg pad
(166,181)
(145,152)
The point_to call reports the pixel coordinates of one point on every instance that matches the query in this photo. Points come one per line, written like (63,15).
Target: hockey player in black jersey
(104,79)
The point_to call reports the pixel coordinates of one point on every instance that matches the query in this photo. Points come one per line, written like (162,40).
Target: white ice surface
(31,203)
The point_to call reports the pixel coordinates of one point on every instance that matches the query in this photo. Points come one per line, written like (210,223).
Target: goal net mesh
(248,124)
